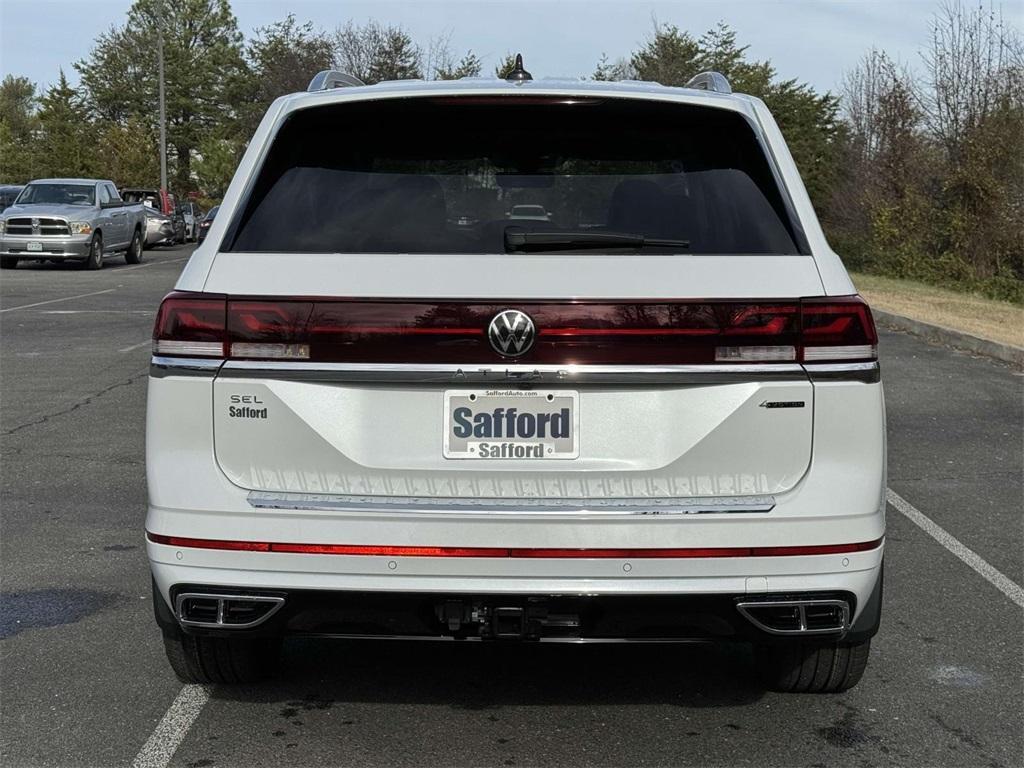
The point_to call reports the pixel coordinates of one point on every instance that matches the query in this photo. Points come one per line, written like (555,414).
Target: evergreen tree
(282,58)
(669,57)
(808,120)
(205,73)
(468,66)
(397,57)
(128,153)
(608,70)
(215,165)
(17,126)
(720,53)
(65,143)
(505,66)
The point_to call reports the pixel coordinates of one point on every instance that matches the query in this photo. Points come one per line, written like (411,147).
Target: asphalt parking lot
(84,680)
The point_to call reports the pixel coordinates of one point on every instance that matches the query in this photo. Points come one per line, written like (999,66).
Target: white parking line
(170,731)
(55,301)
(94,311)
(151,264)
(136,346)
(995,577)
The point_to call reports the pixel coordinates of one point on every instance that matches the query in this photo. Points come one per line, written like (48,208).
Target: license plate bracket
(33,245)
(511,424)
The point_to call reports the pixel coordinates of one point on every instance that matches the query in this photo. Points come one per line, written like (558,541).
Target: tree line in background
(915,172)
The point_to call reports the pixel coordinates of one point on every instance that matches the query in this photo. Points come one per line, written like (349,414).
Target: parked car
(206,223)
(463,221)
(160,229)
(528,213)
(8,193)
(659,419)
(162,201)
(191,216)
(70,220)
(157,199)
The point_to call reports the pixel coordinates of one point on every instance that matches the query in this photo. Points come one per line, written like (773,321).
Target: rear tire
(9,262)
(222,660)
(134,253)
(95,258)
(812,667)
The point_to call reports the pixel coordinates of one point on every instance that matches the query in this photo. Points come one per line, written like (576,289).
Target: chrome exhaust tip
(797,617)
(224,611)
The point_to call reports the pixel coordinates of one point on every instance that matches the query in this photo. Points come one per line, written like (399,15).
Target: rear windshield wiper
(519,240)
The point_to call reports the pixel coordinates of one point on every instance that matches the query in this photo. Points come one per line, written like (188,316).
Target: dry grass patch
(976,315)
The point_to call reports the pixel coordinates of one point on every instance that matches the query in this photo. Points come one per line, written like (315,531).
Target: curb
(1007,353)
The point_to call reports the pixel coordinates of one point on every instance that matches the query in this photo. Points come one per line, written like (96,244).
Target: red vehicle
(159,200)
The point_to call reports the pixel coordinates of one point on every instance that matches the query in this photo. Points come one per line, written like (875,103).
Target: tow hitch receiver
(480,618)
(508,623)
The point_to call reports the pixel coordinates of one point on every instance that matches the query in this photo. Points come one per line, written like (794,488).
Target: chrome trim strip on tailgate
(159,367)
(519,506)
(867,372)
(466,373)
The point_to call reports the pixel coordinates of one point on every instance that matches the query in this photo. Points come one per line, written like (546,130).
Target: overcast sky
(813,40)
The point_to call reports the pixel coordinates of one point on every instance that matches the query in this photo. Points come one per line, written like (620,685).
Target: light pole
(163,112)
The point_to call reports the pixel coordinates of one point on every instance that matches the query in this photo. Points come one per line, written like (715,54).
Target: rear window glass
(453,175)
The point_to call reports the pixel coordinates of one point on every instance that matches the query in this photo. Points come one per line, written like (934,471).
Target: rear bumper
(159,238)
(691,598)
(496,616)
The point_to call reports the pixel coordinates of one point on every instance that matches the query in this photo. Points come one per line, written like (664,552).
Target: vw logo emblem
(511,332)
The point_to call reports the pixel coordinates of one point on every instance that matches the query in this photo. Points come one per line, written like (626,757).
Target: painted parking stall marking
(992,575)
(163,742)
(55,301)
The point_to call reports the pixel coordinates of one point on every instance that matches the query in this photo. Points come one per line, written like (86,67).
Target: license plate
(32,246)
(511,424)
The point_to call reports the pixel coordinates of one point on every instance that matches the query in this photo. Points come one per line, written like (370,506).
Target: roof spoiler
(710,81)
(330,78)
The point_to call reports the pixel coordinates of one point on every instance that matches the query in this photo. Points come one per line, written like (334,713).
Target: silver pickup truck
(71,220)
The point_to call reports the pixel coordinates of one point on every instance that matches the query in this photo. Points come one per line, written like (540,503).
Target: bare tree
(933,166)
(973,66)
(880,201)
(439,62)
(861,91)
(374,52)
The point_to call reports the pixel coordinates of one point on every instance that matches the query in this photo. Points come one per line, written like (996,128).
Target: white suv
(655,415)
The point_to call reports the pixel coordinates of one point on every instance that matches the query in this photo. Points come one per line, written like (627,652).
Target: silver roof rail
(330,78)
(710,81)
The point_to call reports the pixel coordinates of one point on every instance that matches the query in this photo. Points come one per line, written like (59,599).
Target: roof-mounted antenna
(518,74)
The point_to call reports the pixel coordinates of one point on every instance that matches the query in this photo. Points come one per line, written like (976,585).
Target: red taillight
(837,330)
(260,330)
(568,333)
(191,325)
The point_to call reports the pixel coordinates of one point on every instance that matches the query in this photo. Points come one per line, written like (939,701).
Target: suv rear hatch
(357,288)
